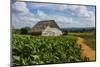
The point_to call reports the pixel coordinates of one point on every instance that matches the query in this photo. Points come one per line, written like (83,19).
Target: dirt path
(86,50)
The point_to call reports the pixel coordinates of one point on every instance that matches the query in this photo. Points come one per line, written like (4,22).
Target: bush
(16,31)
(24,30)
(65,33)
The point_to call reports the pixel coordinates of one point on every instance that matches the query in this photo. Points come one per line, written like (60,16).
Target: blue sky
(66,16)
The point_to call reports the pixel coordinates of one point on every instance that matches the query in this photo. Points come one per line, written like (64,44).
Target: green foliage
(65,33)
(28,50)
(89,37)
(24,31)
(16,31)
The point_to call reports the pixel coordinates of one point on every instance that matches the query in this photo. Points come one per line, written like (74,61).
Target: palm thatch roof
(40,26)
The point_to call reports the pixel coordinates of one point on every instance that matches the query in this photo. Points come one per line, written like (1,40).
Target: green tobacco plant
(32,50)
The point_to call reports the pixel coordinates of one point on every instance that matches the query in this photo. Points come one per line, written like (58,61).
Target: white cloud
(20,6)
(24,17)
(39,5)
(78,10)
(62,21)
(87,16)
(40,13)
(81,11)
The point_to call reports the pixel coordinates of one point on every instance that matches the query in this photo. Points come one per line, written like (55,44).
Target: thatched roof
(40,26)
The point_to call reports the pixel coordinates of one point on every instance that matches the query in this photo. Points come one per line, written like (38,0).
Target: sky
(27,14)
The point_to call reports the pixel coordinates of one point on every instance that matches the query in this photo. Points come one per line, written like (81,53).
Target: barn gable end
(42,25)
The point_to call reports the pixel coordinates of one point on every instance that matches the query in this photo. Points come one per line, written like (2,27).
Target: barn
(46,28)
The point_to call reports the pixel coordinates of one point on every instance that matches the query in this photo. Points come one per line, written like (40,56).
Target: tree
(25,30)
(65,33)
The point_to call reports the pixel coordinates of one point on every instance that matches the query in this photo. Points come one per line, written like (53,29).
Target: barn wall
(51,32)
